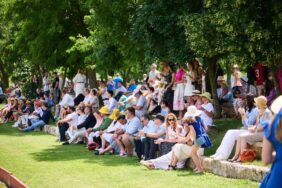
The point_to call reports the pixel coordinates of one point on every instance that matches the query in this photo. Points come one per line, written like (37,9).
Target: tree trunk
(212,64)
(91,74)
(228,73)
(4,76)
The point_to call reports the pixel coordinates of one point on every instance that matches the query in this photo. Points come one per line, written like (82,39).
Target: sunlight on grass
(39,161)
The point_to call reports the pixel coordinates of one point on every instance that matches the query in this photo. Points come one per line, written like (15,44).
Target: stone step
(231,170)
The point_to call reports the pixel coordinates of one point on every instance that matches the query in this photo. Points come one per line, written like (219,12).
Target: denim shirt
(251,118)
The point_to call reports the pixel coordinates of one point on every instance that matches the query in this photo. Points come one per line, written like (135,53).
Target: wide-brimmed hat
(192,111)
(220,78)
(114,114)
(276,105)
(196,92)
(104,110)
(206,95)
(261,102)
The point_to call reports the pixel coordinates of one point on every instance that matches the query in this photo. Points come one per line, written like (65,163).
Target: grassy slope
(41,162)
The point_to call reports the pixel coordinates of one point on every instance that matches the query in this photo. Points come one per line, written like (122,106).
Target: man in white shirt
(207,109)
(67,100)
(70,119)
(141,106)
(87,97)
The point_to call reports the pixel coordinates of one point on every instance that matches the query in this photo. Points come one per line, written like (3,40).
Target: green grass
(39,161)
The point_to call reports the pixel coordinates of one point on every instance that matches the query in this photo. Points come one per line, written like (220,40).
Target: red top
(259,74)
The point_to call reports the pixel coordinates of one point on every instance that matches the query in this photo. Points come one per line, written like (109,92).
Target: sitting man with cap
(152,134)
(126,141)
(141,105)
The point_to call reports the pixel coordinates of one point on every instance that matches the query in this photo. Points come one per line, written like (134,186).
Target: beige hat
(261,102)
(220,78)
(276,105)
(192,111)
(206,95)
(196,92)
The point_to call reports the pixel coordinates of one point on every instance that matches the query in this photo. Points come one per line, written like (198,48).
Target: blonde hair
(278,131)
(175,121)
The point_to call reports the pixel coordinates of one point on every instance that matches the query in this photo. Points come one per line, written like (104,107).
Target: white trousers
(77,135)
(228,142)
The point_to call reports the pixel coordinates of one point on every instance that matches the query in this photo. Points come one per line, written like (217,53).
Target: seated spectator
(112,103)
(43,119)
(87,97)
(67,100)
(66,122)
(255,133)
(224,93)
(173,130)
(83,123)
(271,95)
(248,118)
(40,93)
(151,134)
(6,108)
(120,89)
(132,126)
(112,146)
(13,108)
(49,101)
(94,102)
(141,105)
(207,109)
(94,133)
(197,100)
(23,118)
(132,86)
(164,108)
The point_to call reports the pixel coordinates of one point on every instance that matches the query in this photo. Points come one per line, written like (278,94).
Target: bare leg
(127,144)
(103,141)
(196,159)
(122,149)
(238,150)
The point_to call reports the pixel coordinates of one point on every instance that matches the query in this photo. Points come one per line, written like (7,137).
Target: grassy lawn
(39,161)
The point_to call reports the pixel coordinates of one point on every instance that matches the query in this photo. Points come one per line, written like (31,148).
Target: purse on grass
(248,155)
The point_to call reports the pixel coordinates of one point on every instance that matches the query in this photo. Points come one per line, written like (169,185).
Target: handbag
(200,141)
(248,155)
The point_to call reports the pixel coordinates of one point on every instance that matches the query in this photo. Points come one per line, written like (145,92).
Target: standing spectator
(190,79)
(117,79)
(272,143)
(110,84)
(154,74)
(178,100)
(237,84)
(79,82)
(259,78)
(169,81)
(141,106)
(46,83)
(67,100)
(55,87)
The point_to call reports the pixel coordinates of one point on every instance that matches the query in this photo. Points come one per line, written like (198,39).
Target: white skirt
(163,162)
(188,88)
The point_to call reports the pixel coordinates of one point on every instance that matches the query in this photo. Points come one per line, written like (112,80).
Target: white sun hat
(192,111)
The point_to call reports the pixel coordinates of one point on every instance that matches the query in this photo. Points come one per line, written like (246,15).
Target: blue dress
(201,133)
(275,180)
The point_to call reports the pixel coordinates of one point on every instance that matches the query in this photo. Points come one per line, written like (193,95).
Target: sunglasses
(170,120)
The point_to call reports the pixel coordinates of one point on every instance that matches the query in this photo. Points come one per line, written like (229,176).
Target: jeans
(150,148)
(56,95)
(34,124)
(139,148)
(62,130)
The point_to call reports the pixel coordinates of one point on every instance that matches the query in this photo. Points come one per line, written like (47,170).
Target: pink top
(179,75)
(279,78)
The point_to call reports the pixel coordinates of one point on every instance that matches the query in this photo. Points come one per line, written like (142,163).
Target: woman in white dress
(190,78)
(79,83)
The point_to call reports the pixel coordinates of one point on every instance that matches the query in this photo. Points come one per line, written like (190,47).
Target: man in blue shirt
(117,79)
(132,126)
(132,86)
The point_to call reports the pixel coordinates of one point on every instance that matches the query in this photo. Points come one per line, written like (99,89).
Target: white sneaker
(220,157)
(15,125)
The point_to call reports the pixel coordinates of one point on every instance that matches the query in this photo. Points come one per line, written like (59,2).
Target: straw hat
(114,114)
(261,102)
(220,78)
(206,95)
(192,111)
(104,110)
(276,105)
